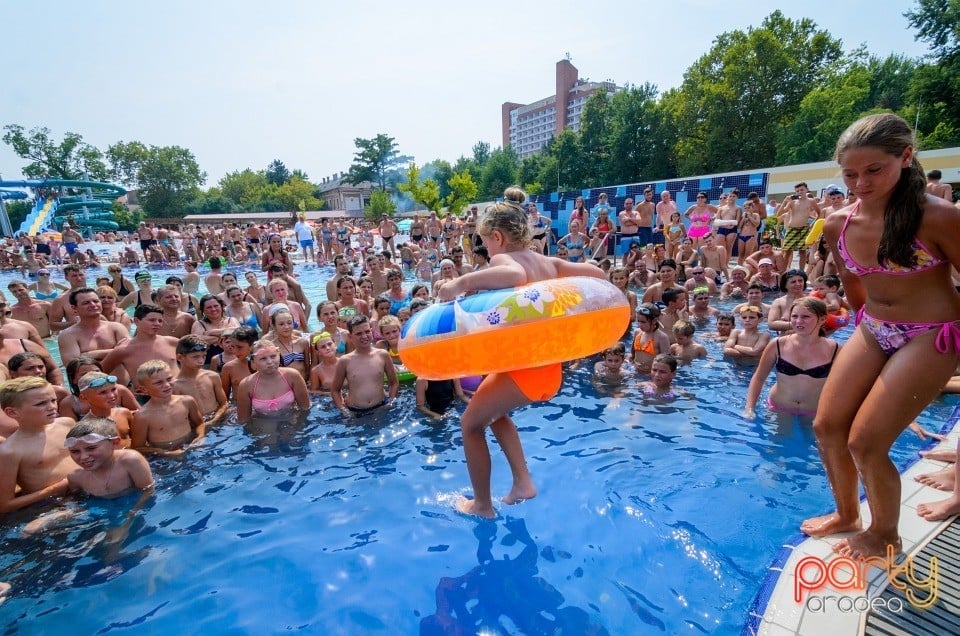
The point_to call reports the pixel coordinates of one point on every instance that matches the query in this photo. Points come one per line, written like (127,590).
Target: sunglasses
(89,438)
(96,383)
(697,271)
(39,274)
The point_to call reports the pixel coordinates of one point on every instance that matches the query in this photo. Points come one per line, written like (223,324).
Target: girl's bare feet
(942,479)
(520,492)
(940,454)
(940,510)
(471,507)
(865,544)
(828,524)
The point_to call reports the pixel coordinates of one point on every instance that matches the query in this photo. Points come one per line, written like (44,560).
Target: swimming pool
(652,518)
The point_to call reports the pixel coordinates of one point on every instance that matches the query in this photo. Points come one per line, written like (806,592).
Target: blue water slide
(30,225)
(53,216)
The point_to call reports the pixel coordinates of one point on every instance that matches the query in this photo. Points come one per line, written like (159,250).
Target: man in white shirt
(305,236)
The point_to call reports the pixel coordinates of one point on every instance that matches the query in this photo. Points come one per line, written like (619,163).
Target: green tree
(379,205)
(824,113)
(244,188)
(18,211)
(125,159)
(297,194)
(935,85)
(481,154)
(127,220)
(277,173)
(374,160)
(68,159)
(463,191)
(890,81)
(640,138)
(423,192)
(169,179)
(440,171)
(595,157)
(471,166)
(212,202)
(529,171)
(500,172)
(562,168)
(734,98)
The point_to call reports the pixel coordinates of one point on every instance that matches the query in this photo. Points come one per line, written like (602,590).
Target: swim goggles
(89,438)
(196,347)
(96,383)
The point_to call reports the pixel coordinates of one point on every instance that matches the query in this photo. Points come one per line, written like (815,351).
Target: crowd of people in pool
(190,357)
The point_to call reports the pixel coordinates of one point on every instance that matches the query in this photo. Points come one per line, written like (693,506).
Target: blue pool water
(652,518)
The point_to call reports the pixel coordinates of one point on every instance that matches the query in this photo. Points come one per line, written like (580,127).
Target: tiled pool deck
(776,613)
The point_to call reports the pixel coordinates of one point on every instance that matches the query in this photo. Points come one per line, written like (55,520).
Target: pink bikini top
(925,259)
(279,403)
(702,217)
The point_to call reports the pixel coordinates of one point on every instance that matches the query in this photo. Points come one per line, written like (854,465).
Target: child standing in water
(506,234)
(907,312)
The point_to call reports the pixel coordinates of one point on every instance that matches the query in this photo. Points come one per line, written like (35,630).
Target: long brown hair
(904,211)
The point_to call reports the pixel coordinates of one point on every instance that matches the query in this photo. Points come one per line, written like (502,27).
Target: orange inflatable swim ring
(835,319)
(526,331)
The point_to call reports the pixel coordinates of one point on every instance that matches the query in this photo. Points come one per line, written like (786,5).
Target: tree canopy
(71,158)
(374,160)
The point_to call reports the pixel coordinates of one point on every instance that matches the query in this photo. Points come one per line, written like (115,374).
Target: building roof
(312,215)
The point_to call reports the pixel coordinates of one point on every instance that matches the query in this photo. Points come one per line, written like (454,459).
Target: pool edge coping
(758,612)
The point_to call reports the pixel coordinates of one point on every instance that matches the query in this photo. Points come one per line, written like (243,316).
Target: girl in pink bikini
(272,390)
(893,248)
(701,218)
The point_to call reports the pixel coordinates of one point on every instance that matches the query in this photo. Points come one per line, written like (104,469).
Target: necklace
(171,326)
(106,482)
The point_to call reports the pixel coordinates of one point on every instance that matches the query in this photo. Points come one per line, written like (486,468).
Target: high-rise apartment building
(529,127)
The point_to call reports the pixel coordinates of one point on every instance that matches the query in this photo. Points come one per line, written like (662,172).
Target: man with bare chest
(91,336)
(665,209)
(713,257)
(176,323)
(62,313)
(147,344)
(937,189)
(29,309)
(645,211)
(376,275)
(796,214)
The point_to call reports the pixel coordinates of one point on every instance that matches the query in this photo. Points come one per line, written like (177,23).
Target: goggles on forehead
(96,383)
(89,438)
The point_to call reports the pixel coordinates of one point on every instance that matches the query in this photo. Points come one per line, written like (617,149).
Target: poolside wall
(767,182)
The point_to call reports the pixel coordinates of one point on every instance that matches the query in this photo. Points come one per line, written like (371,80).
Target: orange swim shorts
(539,383)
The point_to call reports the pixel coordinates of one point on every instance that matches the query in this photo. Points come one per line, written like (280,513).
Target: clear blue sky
(244,82)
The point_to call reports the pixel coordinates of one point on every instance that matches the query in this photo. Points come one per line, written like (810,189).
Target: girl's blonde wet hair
(508,217)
